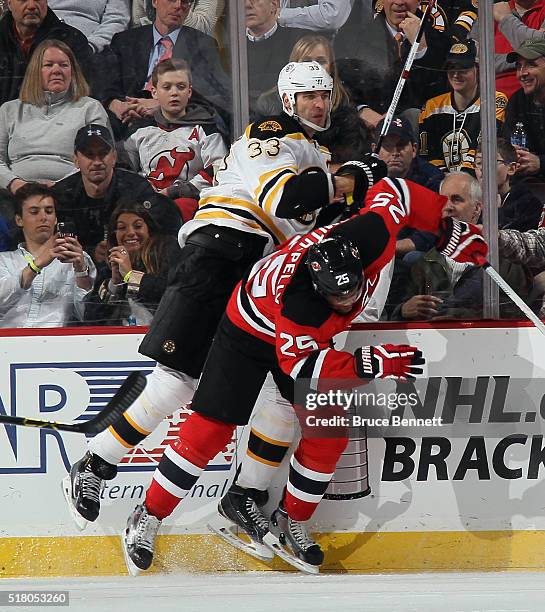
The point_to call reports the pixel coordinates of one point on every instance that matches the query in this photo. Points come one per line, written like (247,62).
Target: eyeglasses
(479,164)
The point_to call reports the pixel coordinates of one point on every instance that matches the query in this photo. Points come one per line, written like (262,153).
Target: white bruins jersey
(186,153)
(250,183)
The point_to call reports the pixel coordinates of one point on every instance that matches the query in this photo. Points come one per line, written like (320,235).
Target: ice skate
(84,484)
(139,539)
(290,541)
(238,511)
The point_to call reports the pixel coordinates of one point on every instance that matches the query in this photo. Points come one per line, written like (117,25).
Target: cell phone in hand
(66,228)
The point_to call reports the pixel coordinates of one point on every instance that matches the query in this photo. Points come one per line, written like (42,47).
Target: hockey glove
(366,173)
(462,242)
(389,361)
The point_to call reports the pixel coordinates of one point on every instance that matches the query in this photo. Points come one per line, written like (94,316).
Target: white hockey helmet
(298,77)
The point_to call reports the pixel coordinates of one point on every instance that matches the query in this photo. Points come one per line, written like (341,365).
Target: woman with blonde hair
(312,47)
(37,130)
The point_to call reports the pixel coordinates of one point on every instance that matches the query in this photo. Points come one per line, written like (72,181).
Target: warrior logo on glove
(462,242)
(399,361)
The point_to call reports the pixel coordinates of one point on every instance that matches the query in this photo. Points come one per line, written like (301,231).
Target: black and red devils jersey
(277,303)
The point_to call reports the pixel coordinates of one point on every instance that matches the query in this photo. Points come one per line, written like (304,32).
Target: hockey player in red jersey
(280,319)
(269,188)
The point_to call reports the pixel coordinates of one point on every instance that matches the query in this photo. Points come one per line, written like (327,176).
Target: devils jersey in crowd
(449,137)
(258,190)
(277,303)
(183,152)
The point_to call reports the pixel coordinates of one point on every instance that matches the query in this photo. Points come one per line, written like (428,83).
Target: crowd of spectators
(116,114)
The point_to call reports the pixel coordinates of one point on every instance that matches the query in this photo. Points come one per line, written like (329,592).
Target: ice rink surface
(279,592)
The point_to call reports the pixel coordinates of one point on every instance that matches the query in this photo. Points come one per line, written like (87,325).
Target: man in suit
(133,55)
(371,72)
(269,46)
(22,28)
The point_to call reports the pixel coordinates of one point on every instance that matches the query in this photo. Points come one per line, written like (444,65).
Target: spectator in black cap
(527,106)
(399,151)
(89,196)
(450,124)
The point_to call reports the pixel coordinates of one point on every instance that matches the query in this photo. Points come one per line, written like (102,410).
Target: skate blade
(66,486)
(226,530)
(274,544)
(133,569)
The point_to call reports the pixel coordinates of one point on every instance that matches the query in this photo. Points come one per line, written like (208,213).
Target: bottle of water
(518,137)
(131,320)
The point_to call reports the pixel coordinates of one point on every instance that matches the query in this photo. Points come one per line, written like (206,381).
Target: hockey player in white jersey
(181,146)
(269,188)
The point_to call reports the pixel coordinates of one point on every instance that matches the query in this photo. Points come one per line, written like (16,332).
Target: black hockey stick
(124,397)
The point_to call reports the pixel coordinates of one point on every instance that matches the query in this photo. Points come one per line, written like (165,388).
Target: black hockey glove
(366,173)
(389,361)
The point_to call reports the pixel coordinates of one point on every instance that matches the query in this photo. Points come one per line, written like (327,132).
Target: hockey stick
(124,397)
(514,296)
(403,77)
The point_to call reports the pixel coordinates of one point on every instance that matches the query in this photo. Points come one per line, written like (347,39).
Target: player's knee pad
(320,454)
(201,438)
(168,390)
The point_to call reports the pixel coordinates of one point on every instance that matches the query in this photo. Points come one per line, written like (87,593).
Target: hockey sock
(311,469)
(166,391)
(200,439)
(271,433)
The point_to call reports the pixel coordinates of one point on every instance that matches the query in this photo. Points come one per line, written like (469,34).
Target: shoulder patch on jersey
(271,127)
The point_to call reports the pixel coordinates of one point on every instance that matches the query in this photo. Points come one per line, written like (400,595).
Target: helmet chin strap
(314,126)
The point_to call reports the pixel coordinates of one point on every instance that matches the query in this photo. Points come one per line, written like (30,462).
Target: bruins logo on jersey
(269,126)
(459,48)
(501,101)
(456,149)
(438,15)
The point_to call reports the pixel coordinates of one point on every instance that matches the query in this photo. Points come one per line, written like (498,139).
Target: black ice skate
(239,511)
(139,539)
(83,485)
(290,541)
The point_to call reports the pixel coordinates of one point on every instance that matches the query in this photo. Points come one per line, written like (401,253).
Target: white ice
(280,592)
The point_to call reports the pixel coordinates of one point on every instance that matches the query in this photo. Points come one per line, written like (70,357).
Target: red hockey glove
(366,173)
(462,242)
(389,361)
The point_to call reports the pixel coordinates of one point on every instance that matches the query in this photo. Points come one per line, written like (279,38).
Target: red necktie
(399,39)
(164,54)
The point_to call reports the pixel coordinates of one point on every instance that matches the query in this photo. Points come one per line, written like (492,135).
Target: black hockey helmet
(335,266)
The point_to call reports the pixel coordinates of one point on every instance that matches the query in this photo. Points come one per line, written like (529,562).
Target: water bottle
(131,320)
(518,137)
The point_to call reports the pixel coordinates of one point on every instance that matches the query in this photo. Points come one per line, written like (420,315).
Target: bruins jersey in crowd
(257,188)
(453,16)
(449,137)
